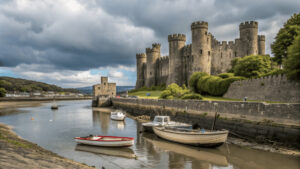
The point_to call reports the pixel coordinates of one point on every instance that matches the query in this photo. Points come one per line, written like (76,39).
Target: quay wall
(255,121)
(270,88)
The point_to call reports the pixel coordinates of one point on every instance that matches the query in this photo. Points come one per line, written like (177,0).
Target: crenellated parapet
(199,24)
(156,47)
(148,50)
(248,24)
(261,37)
(177,37)
(140,55)
(187,50)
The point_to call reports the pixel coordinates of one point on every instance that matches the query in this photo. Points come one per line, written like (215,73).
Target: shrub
(2,92)
(225,75)
(253,66)
(192,96)
(200,84)
(173,91)
(194,79)
(292,63)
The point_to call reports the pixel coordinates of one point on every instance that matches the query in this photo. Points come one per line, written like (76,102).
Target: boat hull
(206,139)
(118,118)
(108,141)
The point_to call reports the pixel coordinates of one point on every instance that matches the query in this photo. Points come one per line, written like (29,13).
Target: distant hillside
(22,85)
(89,89)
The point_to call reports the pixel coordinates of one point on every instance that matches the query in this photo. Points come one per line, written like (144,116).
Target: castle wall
(176,43)
(205,54)
(140,61)
(222,54)
(271,88)
(152,55)
(162,70)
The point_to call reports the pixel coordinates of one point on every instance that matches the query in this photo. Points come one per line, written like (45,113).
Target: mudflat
(16,152)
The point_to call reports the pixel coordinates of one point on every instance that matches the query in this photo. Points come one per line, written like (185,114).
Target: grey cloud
(80,34)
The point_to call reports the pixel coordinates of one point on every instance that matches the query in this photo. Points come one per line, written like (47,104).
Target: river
(55,130)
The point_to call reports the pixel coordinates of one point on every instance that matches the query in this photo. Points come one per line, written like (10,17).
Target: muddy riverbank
(16,152)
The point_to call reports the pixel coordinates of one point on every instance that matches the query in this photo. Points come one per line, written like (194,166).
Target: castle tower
(104,80)
(201,47)
(248,36)
(261,45)
(152,56)
(176,43)
(140,62)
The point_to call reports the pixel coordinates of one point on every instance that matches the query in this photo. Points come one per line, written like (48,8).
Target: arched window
(200,51)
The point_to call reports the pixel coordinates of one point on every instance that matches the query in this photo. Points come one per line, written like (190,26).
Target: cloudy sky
(71,43)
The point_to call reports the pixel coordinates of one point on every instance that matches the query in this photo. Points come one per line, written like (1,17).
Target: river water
(55,130)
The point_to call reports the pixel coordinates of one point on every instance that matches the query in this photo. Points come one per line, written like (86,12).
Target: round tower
(201,47)
(248,35)
(261,45)
(152,55)
(140,62)
(176,43)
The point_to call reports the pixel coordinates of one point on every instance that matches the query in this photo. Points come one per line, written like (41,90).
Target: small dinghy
(204,138)
(106,141)
(117,116)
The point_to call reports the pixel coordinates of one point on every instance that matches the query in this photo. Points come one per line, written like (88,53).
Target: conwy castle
(205,54)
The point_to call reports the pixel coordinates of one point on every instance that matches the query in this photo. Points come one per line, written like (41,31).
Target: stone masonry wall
(271,88)
(276,122)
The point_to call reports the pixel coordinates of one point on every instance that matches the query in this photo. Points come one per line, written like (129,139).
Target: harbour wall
(251,120)
(270,88)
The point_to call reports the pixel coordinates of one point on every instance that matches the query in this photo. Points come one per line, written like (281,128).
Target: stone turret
(140,64)
(201,47)
(176,43)
(152,55)
(261,44)
(248,36)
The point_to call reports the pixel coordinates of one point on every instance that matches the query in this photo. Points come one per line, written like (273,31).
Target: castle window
(205,33)
(221,54)
(104,83)
(208,53)
(150,73)
(234,54)
(200,51)
(99,88)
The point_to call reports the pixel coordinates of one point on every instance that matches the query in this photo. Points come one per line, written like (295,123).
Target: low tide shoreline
(16,152)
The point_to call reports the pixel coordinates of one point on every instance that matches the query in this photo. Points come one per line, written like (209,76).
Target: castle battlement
(261,37)
(199,24)
(140,55)
(156,47)
(177,37)
(248,24)
(148,50)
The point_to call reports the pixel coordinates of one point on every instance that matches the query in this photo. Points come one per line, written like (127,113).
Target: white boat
(162,121)
(106,141)
(201,137)
(117,116)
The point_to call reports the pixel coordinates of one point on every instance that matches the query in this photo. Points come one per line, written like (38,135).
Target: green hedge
(216,85)
(194,80)
(192,96)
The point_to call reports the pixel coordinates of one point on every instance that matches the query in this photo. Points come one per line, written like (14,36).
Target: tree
(285,37)
(292,63)
(2,92)
(253,66)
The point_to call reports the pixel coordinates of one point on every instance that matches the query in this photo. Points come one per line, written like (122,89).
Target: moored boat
(54,106)
(117,116)
(162,121)
(106,141)
(205,138)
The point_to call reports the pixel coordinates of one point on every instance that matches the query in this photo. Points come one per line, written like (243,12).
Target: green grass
(156,93)
(143,94)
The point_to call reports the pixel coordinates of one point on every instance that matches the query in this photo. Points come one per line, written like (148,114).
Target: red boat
(106,141)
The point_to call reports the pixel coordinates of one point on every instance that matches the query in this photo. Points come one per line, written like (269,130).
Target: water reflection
(213,156)
(111,151)
(102,120)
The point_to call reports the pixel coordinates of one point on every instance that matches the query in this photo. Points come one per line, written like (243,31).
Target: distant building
(104,89)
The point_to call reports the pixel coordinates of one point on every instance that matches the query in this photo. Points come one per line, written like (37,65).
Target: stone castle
(205,54)
(104,89)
